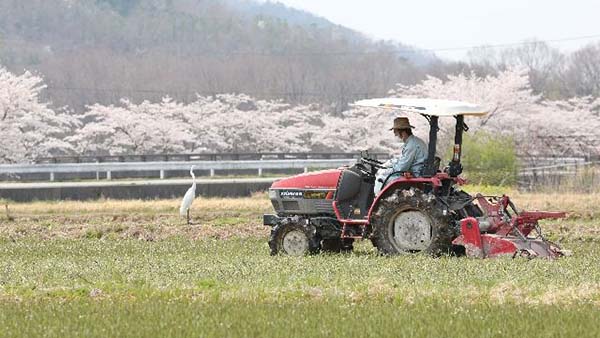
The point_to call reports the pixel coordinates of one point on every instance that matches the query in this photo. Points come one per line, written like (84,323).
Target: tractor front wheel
(410,221)
(293,239)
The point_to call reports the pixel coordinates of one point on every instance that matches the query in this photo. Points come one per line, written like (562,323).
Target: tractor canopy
(430,107)
(432,110)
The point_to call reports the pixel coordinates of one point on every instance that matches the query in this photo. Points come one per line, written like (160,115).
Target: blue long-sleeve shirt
(413,158)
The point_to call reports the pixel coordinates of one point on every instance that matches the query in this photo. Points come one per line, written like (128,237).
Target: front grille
(324,206)
(290,205)
(276,206)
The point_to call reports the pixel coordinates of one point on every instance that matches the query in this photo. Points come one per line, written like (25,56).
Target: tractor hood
(324,179)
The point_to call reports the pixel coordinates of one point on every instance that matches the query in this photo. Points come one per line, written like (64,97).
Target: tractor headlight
(272,194)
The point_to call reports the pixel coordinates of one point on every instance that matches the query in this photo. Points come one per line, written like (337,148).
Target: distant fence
(542,171)
(534,162)
(577,175)
(50,170)
(65,168)
(203,157)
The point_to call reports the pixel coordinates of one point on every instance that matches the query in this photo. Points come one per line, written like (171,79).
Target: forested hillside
(92,51)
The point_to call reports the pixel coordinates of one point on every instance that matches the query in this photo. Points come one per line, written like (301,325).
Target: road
(131,189)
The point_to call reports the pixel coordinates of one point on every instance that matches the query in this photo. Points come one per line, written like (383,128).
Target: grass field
(133,268)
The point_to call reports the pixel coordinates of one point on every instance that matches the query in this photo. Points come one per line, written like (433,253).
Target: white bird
(188,198)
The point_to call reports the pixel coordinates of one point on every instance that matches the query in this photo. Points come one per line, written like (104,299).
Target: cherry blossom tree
(571,119)
(241,123)
(224,123)
(505,96)
(29,128)
(514,109)
(132,129)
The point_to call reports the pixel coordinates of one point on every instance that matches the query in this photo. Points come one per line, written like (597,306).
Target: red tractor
(328,210)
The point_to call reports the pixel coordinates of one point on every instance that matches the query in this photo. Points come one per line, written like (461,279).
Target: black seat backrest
(348,186)
(354,192)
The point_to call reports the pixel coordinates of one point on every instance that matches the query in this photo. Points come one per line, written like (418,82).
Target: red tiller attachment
(501,232)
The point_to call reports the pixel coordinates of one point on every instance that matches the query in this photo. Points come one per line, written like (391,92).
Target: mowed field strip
(134,268)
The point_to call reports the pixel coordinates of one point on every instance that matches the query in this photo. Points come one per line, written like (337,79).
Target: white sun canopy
(425,106)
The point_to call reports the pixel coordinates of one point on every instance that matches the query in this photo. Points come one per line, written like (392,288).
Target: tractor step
(354,230)
(348,223)
(352,237)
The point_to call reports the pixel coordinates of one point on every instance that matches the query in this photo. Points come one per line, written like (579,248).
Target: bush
(489,159)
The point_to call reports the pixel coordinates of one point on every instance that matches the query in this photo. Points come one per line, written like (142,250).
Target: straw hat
(401,123)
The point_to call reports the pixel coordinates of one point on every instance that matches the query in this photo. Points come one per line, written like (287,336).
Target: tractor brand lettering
(290,194)
(315,194)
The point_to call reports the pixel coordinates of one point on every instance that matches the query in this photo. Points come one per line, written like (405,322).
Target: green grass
(168,317)
(242,269)
(212,287)
(112,268)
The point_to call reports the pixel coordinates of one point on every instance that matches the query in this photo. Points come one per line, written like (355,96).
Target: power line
(399,51)
(204,92)
(513,44)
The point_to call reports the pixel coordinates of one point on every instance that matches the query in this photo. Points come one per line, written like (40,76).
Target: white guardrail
(259,165)
(160,166)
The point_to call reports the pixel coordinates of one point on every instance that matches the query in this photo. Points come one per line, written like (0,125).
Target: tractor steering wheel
(363,169)
(372,162)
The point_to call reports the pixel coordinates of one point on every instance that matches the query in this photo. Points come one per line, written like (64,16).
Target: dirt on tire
(411,199)
(279,232)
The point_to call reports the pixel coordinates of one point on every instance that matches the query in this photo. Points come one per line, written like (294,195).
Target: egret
(188,198)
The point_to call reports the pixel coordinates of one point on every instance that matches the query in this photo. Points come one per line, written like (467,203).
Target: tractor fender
(403,183)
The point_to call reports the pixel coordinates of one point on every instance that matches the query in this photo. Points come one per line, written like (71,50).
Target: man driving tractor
(411,160)
(428,213)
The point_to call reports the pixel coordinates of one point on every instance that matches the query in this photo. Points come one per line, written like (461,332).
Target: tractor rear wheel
(293,239)
(410,221)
